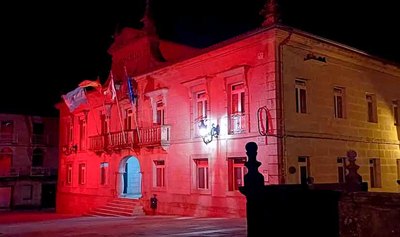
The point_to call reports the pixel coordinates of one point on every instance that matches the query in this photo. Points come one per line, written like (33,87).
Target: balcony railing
(33,171)
(152,136)
(238,123)
(8,138)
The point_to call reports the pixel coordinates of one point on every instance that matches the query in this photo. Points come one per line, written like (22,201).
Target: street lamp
(208,135)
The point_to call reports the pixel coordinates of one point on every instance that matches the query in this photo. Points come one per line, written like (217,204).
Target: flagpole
(133,106)
(119,109)
(91,108)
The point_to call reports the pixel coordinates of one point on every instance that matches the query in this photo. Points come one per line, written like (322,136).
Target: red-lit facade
(152,146)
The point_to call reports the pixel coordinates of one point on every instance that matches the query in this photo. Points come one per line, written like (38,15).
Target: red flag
(87,83)
(110,92)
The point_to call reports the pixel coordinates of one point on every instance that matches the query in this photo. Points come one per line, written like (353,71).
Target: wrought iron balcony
(33,171)
(149,137)
(238,123)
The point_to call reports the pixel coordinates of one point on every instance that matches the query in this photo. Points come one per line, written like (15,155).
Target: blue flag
(130,90)
(75,98)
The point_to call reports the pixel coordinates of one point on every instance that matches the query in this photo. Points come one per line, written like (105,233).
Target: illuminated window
(159,173)
(341,168)
(304,168)
(396,112)
(104,173)
(371,107)
(82,173)
(237,109)
(375,173)
(69,174)
(301,97)
(338,100)
(201,173)
(6,157)
(236,172)
(82,134)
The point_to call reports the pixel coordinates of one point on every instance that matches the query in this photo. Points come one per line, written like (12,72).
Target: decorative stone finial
(253,178)
(270,13)
(353,179)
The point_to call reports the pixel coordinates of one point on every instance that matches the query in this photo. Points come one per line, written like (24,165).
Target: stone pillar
(353,179)
(253,190)
(120,184)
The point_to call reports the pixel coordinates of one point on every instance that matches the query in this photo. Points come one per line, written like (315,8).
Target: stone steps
(119,207)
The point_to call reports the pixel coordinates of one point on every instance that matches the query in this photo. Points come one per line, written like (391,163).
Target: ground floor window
(104,173)
(236,172)
(82,173)
(202,178)
(159,173)
(69,174)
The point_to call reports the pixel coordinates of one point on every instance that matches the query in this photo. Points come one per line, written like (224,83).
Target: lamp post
(208,135)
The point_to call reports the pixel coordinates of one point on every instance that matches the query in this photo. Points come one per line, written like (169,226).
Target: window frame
(301,103)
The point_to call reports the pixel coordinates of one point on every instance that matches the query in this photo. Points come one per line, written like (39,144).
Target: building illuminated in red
(305,100)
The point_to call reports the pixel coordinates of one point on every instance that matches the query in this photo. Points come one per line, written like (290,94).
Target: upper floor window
(371,108)
(396,112)
(82,134)
(201,105)
(237,109)
(301,97)
(338,100)
(158,100)
(128,119)
(160,113)
(104,119)
(69,130)
(6,130)
(236,172)
(37,158)
(6,156)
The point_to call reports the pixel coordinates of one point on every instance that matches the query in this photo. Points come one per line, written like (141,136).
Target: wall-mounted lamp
(311,56)
(206,134)
(68,150)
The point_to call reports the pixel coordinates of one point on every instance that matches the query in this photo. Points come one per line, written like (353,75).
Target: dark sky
(48,48)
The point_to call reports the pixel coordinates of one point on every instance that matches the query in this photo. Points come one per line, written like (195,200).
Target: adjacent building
(304,99)
(28,161)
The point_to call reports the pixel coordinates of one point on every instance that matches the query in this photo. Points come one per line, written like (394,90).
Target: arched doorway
(130,178)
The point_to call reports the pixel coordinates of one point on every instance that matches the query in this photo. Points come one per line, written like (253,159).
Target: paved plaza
(62,225)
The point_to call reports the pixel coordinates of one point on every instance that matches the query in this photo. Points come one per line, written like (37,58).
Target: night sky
(48,48)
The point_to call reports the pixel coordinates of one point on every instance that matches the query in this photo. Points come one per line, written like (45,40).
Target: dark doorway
(48,195)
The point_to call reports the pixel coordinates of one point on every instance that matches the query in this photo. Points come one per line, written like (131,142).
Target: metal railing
(237,123)
(33,171)
(152,136)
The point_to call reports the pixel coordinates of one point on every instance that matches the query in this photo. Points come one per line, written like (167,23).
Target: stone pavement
(125,226)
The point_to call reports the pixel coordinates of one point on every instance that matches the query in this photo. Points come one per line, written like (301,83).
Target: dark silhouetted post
(253,190)
(353,179)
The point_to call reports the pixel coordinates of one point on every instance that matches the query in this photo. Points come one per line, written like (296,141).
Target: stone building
(28,161)
(304,99)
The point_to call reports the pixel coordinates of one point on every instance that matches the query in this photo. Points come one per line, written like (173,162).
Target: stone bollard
(253,190)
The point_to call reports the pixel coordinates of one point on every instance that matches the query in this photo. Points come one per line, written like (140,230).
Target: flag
(130,90)
(110,92)
(87,83)
(75,98)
